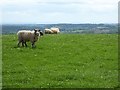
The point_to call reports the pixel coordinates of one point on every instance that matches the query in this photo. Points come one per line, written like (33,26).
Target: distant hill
(64,28)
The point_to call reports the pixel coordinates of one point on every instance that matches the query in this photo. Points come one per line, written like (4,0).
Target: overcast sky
(59,11)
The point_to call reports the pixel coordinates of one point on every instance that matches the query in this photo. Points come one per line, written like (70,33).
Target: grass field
(0,61)
(61,61)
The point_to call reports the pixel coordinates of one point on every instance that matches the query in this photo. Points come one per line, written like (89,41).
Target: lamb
(27,35)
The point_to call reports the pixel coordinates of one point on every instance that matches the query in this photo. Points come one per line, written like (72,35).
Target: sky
(58,11)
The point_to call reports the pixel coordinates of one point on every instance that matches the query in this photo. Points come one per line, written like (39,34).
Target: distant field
(62,61)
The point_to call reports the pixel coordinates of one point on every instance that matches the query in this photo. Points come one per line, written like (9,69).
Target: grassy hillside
(64,61)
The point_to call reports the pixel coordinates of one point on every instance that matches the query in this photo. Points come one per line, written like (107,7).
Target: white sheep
(27,35)
(55,30)
(48,31)
(52,30)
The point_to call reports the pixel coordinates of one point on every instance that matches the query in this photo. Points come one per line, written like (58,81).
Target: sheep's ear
(35,30)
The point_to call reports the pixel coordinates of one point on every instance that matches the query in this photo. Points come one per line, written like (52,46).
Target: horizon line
(52,23)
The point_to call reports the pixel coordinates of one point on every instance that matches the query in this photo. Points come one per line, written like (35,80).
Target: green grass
(62,61)
(0,61)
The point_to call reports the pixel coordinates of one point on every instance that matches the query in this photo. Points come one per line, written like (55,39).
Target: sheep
(48,31)
(27,35)
(52,31)
(55,30)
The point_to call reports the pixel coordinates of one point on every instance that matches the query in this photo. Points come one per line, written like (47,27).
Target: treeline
(64,28)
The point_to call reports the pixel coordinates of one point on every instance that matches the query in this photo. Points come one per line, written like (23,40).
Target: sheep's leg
(33,44)
(25,44)
(19,43)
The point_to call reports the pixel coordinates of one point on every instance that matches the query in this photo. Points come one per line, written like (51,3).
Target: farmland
(61,61)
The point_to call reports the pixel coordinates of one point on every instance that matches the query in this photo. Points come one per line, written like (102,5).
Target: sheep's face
(37,32)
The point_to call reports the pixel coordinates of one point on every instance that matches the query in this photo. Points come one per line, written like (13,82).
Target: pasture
(61,61)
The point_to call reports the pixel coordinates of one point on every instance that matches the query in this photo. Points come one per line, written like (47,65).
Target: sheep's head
(37,32)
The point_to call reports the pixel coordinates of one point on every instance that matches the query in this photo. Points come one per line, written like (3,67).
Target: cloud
(55,11)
